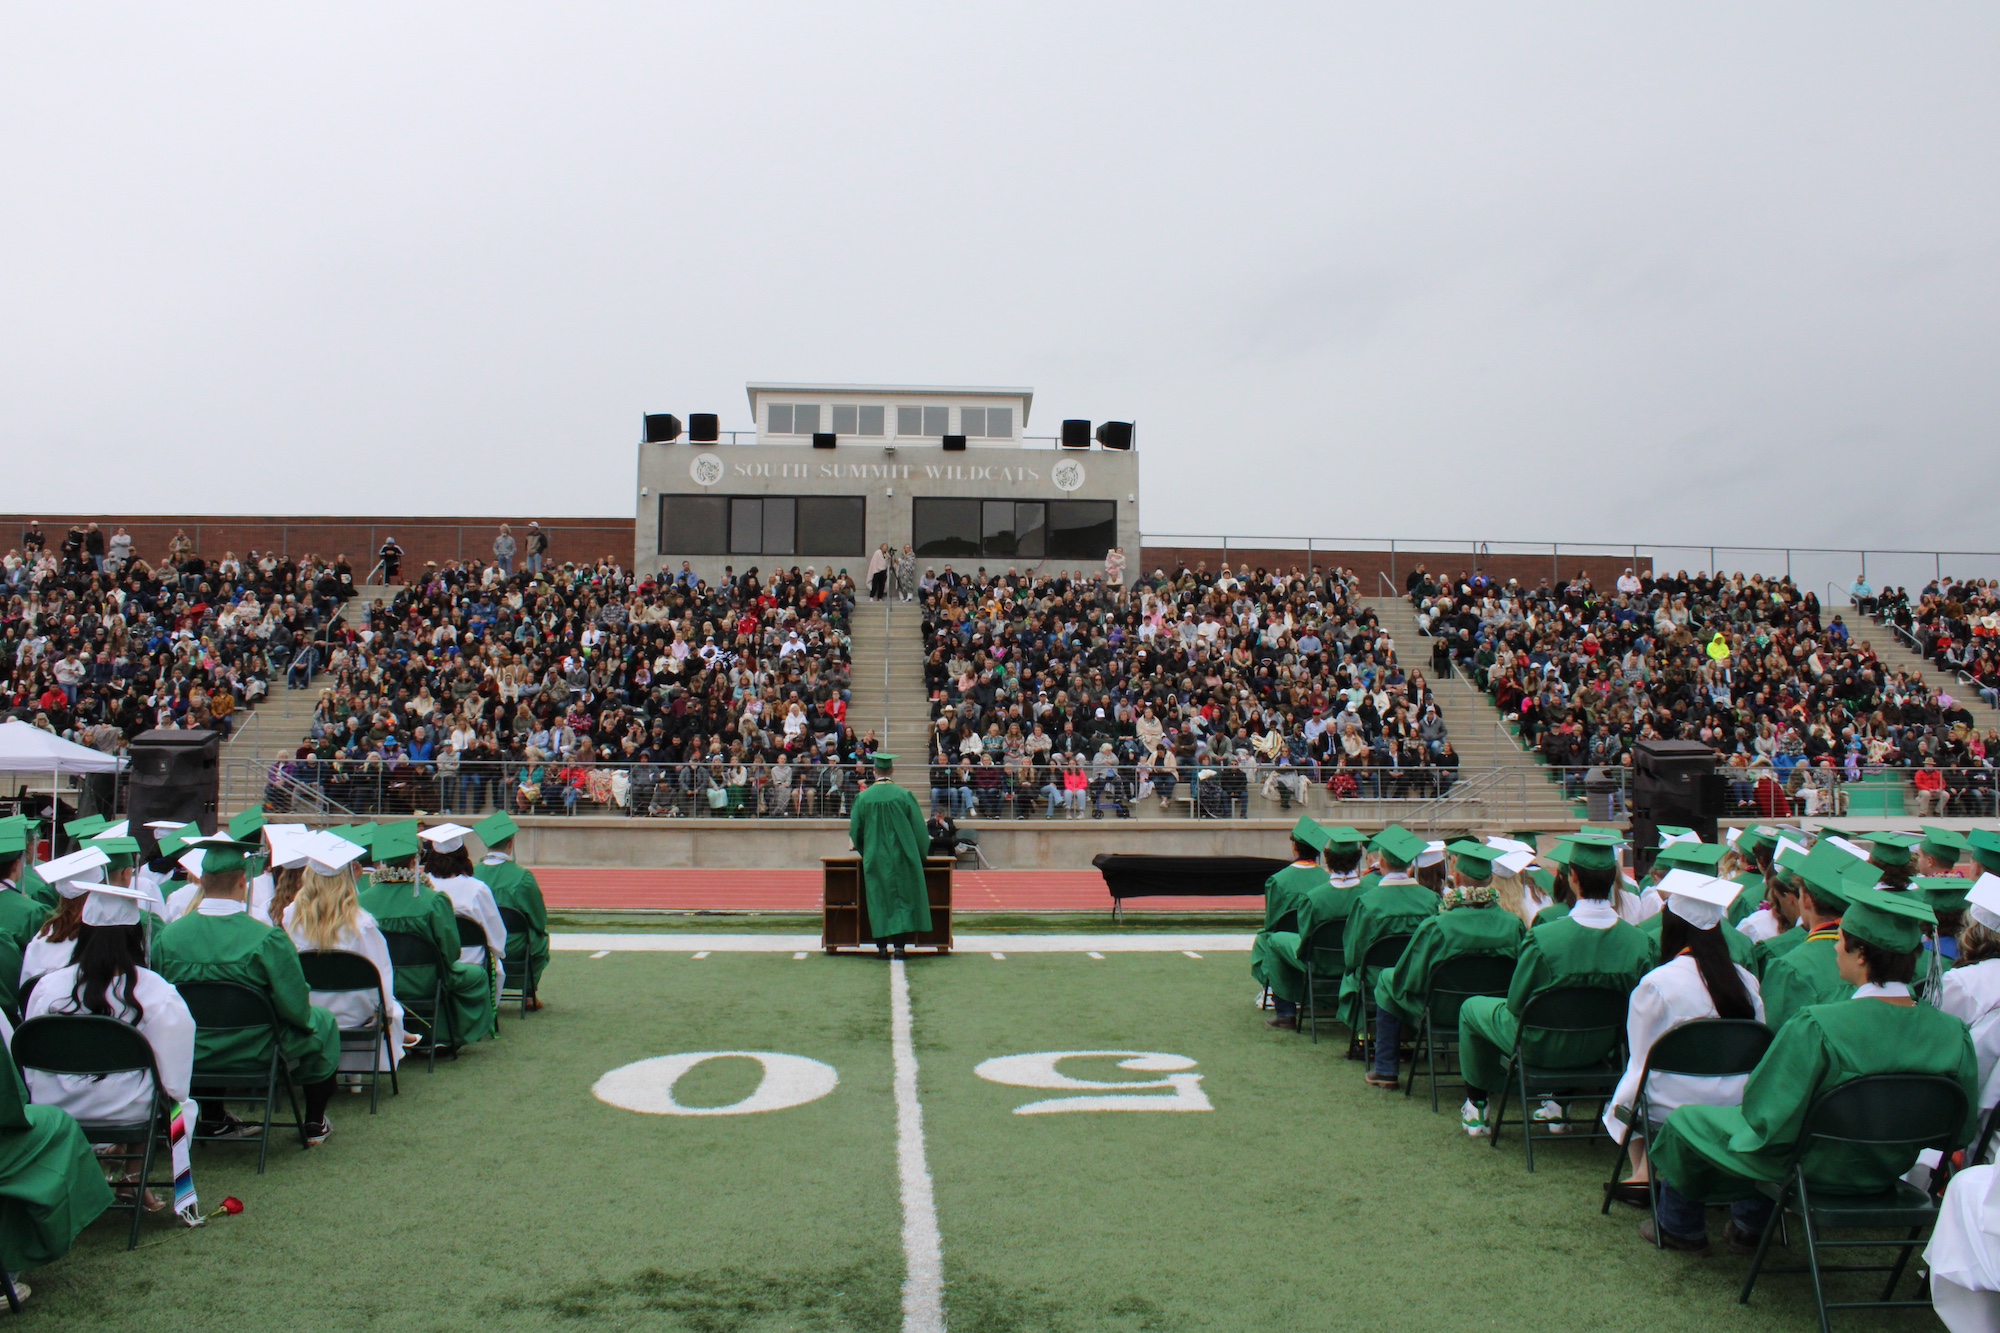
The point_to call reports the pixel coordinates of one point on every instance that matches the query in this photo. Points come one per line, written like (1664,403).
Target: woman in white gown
(450,870)
(1694,980)
(325,915)
(110,978)
(1970,992)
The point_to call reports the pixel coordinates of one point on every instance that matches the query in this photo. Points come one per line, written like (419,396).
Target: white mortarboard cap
(1855,850)
(73,875)
(1509,845)
(273,832)
(1513,863)
(327,853)
(112,905)
(1669,839)
(289,845)
(191,861)
(1432,854)
(1732,835)
(166,825)
(1787,851)
(1984,901)
(1699,900)
(446,837)
(122,829)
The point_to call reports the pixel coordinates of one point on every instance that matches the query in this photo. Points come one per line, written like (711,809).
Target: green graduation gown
(1284,893)
(1809,974)
(1739,945)
(1766,952)
(1553,912)
(418,909)
(1561,953)
(1397,905)
(514,887)
(1462,932)
(887,828)
(20,917)
(205,946)
(1714,1153)
(1747,901)
(40,889)
(1326,904)
(51,1185)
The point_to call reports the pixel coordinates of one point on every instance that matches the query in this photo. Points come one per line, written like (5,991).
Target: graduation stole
(1825,930)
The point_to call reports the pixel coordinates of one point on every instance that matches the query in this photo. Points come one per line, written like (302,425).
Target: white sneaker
(1472,1119)
(1551,1113)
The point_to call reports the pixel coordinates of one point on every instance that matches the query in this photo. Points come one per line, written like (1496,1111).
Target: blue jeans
(1682,1217)
(1388,1038)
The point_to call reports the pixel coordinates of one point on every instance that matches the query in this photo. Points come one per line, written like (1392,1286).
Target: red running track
(798,891)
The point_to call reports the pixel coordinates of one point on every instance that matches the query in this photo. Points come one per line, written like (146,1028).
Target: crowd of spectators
(578,689)
(1071,697)
(99,645)
(1954,623)
(1795,705)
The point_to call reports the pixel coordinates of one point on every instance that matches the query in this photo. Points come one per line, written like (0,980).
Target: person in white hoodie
(325,915)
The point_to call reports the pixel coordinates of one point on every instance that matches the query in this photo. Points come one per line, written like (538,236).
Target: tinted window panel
(694,525)
(945,529)
(1082,529)
(746,526)
(832,525)
(780,525)
(871,421)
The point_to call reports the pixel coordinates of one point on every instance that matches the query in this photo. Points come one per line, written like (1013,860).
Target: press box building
(833,471)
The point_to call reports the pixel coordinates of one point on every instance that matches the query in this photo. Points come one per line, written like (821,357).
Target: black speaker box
(1076,434)
(954,444)
(662,428)
(704,428)
(822,439)
(175,775)
(1115,435)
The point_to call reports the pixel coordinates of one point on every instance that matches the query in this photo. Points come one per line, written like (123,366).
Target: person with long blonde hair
(326,915)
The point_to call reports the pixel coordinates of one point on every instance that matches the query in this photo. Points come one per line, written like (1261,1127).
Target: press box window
(919,421)
(853,419)
(809,525)
(792,418)
(990,423)
(1014,529)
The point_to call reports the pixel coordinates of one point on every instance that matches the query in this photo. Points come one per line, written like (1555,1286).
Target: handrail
(888,643)
(1383,580)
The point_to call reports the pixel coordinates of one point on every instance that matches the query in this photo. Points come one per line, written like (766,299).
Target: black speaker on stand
(175,775)
(704,428)
(662,428)
(1075,434)
(1115,435)
(1673,782)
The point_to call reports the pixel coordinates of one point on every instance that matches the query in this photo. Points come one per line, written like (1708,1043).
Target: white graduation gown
(261,892)
(1637,907)
(43,956)
(1972,995)
(1666,997)
(167,1026)
(1761,925)
(471,897)
(352,1009)
(1964,1252)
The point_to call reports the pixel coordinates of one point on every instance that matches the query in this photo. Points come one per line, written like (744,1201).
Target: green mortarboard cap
(1588,849)
(1890,849)
(1542,879)
(1943,845)
(1340,835)
(1824,870)
(1474,858)
(172,841)
(1945,893)
(1309,832)
(12,843)
(221,857)
(124,852)
(1753,840)
(24,823)
(394,842)
(1528,835)
(1701,856)
(496,828)
(883,762)
(87,827)
(247,823)
(1398,843)
(1892,921)
(1985,847)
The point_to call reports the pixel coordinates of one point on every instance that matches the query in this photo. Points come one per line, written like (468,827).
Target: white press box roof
(766,388)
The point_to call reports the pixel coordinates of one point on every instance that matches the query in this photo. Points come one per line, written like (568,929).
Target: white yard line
(971,942)
(701,953)
(1095,954)
(999,957)
(602,953)
(923,1249)
(1192,954)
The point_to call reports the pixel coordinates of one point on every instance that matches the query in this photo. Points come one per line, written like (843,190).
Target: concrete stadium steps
(888,696)
(1476,728)
(1897,655)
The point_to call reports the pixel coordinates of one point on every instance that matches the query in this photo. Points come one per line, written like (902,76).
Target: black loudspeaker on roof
(1075,434)
(1115,435)
(704,427)
(662,428)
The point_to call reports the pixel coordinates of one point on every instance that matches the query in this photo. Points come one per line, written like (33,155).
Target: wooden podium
(844,913)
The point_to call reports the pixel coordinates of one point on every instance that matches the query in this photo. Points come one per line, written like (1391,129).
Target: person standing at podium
(887,829)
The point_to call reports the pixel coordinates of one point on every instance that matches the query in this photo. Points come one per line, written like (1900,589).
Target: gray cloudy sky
(1596,272)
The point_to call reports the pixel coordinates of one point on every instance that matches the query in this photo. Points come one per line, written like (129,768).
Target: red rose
(232,1205)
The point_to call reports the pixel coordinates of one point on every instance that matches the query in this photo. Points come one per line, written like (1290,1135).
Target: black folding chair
(1324,963)
(336,971)
(1581,1012)
(422,1016)
(517,969)
(95,1046)
(224,1008)
(1382,955)
(1898,1114)
(1453,982)
(1289,921)
(472,935)
(1703,1048)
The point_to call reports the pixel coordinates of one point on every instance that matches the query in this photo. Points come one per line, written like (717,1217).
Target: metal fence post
(1392,564)
(1555,563)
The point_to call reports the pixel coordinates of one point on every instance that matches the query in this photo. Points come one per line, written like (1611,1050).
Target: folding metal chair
(1588,1013)
(1453,982)
(340,972)
(222,1008)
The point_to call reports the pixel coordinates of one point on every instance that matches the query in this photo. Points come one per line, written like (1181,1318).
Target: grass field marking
(1192,954)
(602,953)
(1095,954)
(1038,1070)
(700,954)
(923,1248)
(647,1086)
(800,956)
(999,957)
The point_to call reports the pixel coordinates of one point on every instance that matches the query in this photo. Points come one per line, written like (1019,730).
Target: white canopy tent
(28,749)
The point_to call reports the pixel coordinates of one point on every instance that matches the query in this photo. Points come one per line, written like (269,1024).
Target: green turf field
(501,1194)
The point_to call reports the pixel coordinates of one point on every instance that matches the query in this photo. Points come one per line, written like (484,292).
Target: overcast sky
(1685,272)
